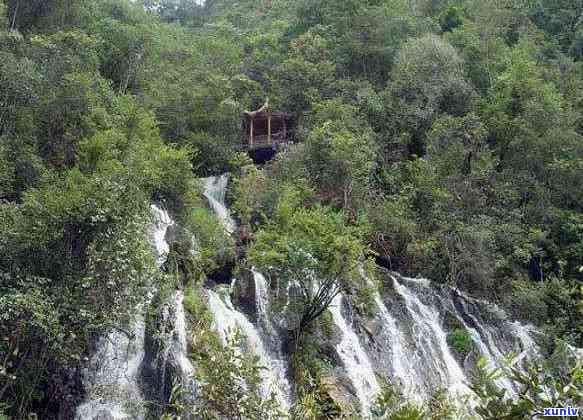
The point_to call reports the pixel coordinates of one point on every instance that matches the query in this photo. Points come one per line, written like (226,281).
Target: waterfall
(409,344)
(432,352)
(529,349)
(401,362)
(112,376)
(408,337)
(214,190)
(179,349)
(486,346)
(227,320)
(487,337)
(162,222)
(354,358)
(272,337)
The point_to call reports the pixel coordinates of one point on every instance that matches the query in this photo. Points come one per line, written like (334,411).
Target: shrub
(460,340)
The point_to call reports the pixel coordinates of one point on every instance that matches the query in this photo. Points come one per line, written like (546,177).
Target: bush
(196,307)
(460,340)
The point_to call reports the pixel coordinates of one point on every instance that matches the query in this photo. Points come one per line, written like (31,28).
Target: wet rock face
(339,388)
(166,361)
(157,372)
(244,294)
(223,274)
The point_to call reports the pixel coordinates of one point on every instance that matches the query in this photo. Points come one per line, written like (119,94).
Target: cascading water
(227,320)
(272,339)
(432,351)
(354,358)
(179,348)
(489,341)
(486,345)
(112,377)
(402,367)
(408,337)
(214,190)
(162,221)
(411,346)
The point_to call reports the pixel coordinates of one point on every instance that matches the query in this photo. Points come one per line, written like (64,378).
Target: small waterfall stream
(486,346)
(432,351)
(354,358)
(227,320)
(263,340)
(401,363)
(179,348)
(214,190)
(271,337)
(112,379)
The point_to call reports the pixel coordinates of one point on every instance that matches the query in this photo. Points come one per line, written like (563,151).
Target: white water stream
(228,319)
(215,190)
(179,347)
(112,377)
(401,362)
(409,347)
(431,349)
(355,360)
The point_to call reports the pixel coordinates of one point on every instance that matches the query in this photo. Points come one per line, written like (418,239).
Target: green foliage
(311,248)
(428,78)
(196,307)
(341,152)
(230,381)
(211,244)
(458,147)
(249,190)
(307,73)
(40,15)
(310,369)
(391,404)
(558,302)
(460,340)
(451,18)
(539,389)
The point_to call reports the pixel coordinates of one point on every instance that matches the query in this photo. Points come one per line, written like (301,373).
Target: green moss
(460,340)
(309,367)
(196,307)
(364,301)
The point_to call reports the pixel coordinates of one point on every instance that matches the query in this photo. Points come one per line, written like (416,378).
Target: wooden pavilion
(268,129)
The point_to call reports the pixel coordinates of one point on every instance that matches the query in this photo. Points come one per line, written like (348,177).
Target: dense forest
(435,138)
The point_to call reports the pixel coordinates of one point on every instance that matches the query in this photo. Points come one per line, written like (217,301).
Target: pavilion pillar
(269,128)
(251,132)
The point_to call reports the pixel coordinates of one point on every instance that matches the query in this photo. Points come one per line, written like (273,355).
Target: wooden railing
(264,141)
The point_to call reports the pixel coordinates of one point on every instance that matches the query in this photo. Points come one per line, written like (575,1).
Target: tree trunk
(13,26)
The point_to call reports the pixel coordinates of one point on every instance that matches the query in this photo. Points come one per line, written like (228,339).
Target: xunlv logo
(563,411)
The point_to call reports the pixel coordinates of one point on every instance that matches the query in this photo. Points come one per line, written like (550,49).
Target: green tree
(306,75)
(312,250)
(341,152)
(538,390)
(428,79)
(230,381)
